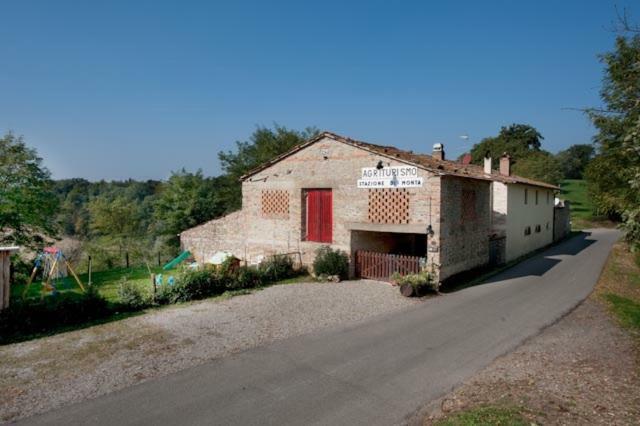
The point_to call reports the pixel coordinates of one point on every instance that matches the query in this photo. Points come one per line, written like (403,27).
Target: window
(538,228)
(547,222)
(469,205)
(536,197)
(318,215)
(527,230)
(275,204)
(526,195)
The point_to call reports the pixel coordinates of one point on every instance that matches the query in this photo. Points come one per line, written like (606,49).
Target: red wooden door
(320,215)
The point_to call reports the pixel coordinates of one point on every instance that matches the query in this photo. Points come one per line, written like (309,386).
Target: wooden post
(153,285)
(90,266)
(126,256)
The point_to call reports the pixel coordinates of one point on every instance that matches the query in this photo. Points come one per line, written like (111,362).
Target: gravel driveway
(46,373)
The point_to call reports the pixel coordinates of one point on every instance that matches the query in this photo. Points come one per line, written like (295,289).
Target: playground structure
(54,266)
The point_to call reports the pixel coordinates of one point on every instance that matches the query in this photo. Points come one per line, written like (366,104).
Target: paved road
(374,373)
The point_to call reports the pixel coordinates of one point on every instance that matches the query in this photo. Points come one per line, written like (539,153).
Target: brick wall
(465,225)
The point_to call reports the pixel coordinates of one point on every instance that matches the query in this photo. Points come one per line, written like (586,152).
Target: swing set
(54,266)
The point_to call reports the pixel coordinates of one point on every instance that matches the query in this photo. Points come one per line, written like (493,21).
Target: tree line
(523,143)
(120,223)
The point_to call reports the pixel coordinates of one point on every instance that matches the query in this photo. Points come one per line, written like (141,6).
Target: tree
(27,202)
(574,160)
(117,221)
(614,174)
(186,200)
(541,166)
(264,145)
(518,140)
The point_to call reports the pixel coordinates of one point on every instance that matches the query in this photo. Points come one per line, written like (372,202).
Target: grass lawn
(575,191)
(621,290)
(582,217)
(107,282)
(486,416)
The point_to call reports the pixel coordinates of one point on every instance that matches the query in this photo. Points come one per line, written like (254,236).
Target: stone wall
(561,221)
(224,234)
(465,225)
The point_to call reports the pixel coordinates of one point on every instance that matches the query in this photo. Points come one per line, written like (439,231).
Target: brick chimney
(466,159)
(438,151)
(505,165)
(487,164)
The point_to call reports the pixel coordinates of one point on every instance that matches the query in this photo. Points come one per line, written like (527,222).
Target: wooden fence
(380,266)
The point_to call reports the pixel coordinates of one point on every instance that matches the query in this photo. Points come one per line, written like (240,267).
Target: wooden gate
(380,266)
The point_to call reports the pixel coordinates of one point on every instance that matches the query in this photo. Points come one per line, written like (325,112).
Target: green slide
(175,262)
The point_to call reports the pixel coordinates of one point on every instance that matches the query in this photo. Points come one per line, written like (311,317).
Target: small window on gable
(527,230)
(526,195)
(536,197)
(538,228)
(547,226)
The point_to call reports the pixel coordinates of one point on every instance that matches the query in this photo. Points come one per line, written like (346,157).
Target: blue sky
(124,89)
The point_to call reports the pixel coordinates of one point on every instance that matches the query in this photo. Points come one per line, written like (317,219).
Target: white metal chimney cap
(438,147)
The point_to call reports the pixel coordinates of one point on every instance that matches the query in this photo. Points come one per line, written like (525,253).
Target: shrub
(131,296)
(20,270)
(420,281)
(331,262)
(276,268)
(246,277)
(193,284)
(24,318)
(165,295)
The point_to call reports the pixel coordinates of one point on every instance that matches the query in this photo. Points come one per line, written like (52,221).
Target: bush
(331,262)
(24,318)
(165,295)
(193,284)
(276,268)
(246,277)
(420,281)
(20,270)
(131,297)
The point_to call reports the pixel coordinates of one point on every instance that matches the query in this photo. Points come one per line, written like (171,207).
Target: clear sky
(118,89)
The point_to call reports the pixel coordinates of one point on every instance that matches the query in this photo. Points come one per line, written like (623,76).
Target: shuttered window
(319,215)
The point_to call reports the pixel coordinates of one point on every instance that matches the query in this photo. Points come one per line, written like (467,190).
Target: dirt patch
(585,369)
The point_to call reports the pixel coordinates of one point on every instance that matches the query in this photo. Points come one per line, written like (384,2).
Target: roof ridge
(425,161)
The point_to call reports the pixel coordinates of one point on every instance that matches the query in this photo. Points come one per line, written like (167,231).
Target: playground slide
(175,262)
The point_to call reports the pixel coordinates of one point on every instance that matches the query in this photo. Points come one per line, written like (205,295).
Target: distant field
(107,282)
(582,216)
(576,191)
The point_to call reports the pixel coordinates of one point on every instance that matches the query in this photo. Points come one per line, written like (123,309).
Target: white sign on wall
(390,177)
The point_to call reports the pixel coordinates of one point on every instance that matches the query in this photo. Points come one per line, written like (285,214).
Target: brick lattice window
(389,206)
(275,204)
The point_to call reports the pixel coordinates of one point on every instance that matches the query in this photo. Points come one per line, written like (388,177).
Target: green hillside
(575,191)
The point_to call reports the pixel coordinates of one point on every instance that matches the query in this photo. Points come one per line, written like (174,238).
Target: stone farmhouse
(389,209)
